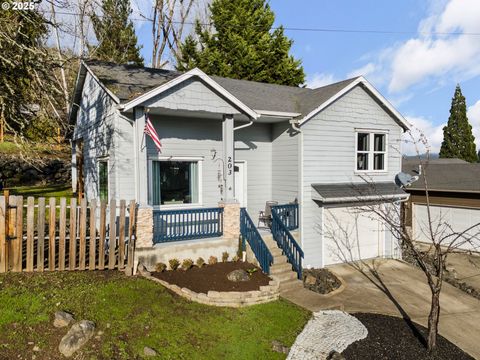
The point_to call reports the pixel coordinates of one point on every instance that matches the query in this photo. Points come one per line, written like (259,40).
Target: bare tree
(430,256)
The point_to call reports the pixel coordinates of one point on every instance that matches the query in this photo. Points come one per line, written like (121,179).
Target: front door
(241,182)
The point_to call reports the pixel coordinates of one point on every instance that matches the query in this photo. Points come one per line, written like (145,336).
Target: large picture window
(174,182)
(371,151)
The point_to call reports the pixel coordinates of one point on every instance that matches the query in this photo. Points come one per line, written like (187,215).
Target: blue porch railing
(286,242)
(249,233)
(288,213)
(176,225)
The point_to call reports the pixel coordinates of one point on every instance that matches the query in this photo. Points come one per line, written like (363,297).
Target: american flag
(150,131)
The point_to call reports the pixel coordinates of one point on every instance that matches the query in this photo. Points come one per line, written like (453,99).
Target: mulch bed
(214,277)
(322,281)
(392,338)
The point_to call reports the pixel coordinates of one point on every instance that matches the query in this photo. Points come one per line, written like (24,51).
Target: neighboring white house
(284,144)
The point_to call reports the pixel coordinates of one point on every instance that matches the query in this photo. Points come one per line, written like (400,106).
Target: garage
(447,219)
(349,235)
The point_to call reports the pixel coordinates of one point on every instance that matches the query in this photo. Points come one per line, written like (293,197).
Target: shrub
(200,262)
(160,267)
(225,256)
(174,264)
(236,258)
(187,264)
(212,260)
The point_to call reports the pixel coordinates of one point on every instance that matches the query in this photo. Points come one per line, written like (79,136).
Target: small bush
(236,258)
(212,260)
(174,264)
(187,264)
(160,267)
(225,256)
(200,262)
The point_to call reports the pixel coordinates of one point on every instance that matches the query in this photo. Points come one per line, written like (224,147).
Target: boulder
(238,275)
(148,351)
(76,337)
(334,355)
(62,319)
(310,279)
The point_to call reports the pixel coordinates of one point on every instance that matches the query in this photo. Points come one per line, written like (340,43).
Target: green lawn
(56,191)
(134,312)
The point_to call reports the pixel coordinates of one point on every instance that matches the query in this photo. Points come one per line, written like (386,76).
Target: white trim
(197,159)
(360,80)
(106,159)
(245,182)
(277,113)
(178,80)
(353,199)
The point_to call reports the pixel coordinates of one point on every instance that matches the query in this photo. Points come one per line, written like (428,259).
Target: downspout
(243,126)
(294,124)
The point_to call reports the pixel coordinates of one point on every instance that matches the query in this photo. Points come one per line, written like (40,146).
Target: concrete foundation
(188,249)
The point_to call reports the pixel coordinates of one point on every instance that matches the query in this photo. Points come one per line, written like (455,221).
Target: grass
(56,191)
(134,312)
(33,149)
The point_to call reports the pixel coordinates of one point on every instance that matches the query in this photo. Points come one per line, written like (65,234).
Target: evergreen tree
(242,45)
(458,140)
(115,34)
(478,156)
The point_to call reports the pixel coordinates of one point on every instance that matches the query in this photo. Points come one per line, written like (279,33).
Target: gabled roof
(126,83)
(448,175)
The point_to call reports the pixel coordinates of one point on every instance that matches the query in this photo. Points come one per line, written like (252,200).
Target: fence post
(3,232)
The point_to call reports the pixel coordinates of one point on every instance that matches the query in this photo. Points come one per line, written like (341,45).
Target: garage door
(459,219)
(349,235)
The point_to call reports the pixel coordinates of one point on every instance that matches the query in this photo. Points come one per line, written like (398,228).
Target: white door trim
(245,183)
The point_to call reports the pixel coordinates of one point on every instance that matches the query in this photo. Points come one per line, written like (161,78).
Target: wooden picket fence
(37,235)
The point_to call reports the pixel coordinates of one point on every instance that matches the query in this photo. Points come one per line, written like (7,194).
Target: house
(228,142)
(453,194)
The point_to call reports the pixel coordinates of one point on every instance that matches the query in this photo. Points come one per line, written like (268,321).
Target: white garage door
(459,219)
(349,235)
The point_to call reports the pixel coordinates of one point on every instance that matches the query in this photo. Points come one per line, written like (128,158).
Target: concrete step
(279,259)
(276,252)
(280,268)
(292,284)
(285,276)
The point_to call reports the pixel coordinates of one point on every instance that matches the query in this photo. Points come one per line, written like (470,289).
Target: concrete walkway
(399,289)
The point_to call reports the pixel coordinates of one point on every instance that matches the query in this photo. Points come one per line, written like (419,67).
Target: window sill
(177,206)
(370,172)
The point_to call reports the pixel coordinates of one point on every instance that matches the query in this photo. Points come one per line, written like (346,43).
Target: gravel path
(327,331)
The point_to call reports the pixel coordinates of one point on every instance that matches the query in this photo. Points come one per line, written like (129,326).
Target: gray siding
(254,145)
(285,163)
(95,125)
(124,161)
(329,155)
(192,95)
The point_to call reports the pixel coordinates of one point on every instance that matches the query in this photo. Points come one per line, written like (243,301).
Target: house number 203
(229,166)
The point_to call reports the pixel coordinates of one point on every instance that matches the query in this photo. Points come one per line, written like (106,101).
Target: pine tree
(478,156)
(458,140)
(242,45)
(115,34)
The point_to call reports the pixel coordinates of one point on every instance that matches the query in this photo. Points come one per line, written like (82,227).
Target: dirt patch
(214,277)
(322,281)
(395,338)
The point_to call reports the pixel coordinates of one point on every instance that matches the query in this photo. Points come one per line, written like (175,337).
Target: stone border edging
(235,299)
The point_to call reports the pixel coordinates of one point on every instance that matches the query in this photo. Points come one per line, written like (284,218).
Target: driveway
(395,288)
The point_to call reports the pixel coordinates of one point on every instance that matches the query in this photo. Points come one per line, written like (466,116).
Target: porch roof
(352,192)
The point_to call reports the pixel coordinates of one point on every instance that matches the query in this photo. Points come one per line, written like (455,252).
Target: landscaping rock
(238,275)
(277,346)
(62,319)
(334,355)
(76,337)
(321,281)
(148,351)
(142,270)
(310,279)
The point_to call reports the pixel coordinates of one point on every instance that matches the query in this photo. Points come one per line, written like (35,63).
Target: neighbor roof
(128,82)
(452,175)
(350,192)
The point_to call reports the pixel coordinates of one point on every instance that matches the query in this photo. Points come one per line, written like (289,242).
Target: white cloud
(473,113)
(424,135)
(363,71)
(440,55)
(320,79)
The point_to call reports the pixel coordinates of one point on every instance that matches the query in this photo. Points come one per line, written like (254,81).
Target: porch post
(141,179)
(228,158)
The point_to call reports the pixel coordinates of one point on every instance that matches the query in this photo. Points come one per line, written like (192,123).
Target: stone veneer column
(144,227)
(231,219)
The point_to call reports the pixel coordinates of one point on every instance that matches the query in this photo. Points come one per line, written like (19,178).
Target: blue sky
(413,69)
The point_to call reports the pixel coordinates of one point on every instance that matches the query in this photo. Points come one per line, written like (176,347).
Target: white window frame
(198,159)
(371,151)
(107,160)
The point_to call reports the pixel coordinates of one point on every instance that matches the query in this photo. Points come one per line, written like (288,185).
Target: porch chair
(266,216)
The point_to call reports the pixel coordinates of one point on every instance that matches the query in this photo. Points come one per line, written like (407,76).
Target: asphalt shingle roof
(357,191)
(129,81)
(445,175)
